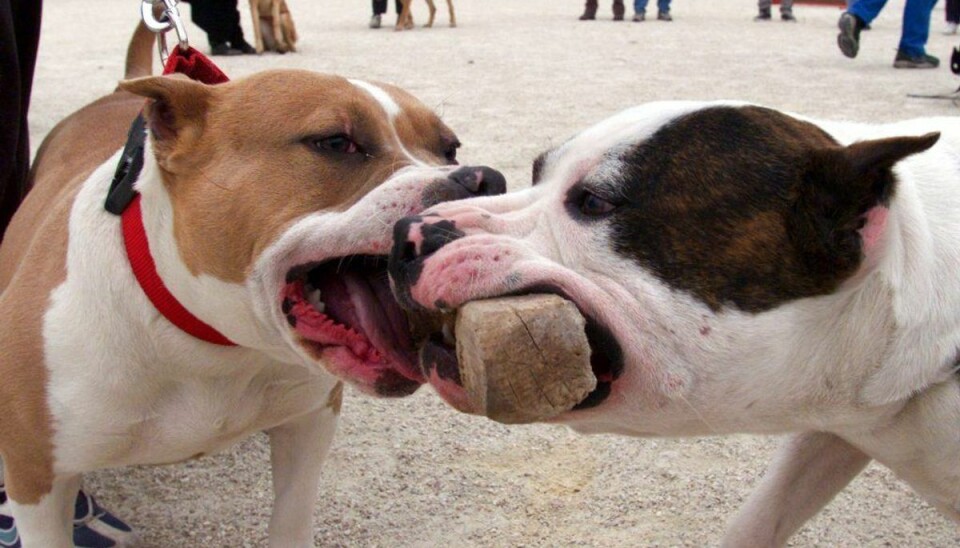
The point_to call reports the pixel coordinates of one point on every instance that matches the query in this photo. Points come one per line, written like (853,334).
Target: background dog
(273,27)
(266,209)
(741,270)
(405,20)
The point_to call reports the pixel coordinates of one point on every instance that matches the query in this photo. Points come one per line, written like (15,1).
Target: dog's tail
(140,53)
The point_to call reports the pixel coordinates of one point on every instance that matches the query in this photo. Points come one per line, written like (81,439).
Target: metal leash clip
(161,16)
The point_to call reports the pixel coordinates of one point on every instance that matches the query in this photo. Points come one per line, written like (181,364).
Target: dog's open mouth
(344,313)
(438,359)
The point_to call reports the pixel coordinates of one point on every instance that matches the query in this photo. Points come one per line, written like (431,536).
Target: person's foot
(788,17)
(922,61)
(764,15)
(951,28)
(849,38)
(93,527)
(9,538)
(640,17)
(224,49)
(619,10)
(244,47)
(664,16)
(376,21)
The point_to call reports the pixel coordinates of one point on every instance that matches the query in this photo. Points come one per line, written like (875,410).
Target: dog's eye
(451,153)
(593,205)
(340,143)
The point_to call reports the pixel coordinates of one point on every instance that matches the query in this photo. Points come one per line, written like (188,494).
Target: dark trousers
(380,7)
(953,11)
(19,37)
(219,19)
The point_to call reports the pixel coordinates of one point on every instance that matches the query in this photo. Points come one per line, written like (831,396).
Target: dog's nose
(465,182)
(414,239)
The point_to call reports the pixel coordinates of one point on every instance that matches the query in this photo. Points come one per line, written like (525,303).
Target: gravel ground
(514,78)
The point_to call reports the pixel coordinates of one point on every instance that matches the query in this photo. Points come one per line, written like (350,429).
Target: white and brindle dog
(742,270)
(267,205)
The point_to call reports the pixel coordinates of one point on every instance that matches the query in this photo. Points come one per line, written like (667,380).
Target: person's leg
(916,27)
(19,38)
(763,7)
(379,7)
(589,11)
(663,6)
(618,10)
(640,6)
(866,10)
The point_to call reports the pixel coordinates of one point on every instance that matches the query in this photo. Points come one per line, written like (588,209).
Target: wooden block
(523,359)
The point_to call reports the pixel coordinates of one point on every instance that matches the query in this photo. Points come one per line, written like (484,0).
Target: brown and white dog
(273,27)
(405,19)
(742,270)
(268,205)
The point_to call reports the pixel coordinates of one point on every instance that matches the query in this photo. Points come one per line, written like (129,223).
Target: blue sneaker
(9,538)
(93,527)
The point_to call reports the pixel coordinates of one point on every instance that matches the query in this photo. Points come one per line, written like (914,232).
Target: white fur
(871,364)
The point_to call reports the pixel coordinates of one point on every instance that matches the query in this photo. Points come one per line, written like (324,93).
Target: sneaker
(224,49)
(905,60)
(640,17)
(664,16)
(93,527)
(9,538)
(764,15)
(788,17)
(951,28)
(849,38)
(376,21)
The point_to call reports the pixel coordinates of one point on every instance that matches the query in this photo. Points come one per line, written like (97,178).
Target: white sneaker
(951,28)
(375,22)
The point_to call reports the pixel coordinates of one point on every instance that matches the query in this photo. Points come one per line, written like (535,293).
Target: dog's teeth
(313,297)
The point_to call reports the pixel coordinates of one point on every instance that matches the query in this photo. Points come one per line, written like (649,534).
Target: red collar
(123,200)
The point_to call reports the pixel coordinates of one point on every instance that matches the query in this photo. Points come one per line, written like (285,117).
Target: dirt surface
(514,78)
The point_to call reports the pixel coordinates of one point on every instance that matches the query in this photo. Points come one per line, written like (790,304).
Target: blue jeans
(640,6)
(916,21)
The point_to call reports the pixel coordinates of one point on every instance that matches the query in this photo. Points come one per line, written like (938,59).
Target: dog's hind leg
(405,19)
(297,451)
(45,520)
(255,18)
(433,13)
(453,15)
(806,473)
(282,45)
(289,29)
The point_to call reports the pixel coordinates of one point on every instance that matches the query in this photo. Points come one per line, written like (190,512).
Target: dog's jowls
(268,204)
(742,270)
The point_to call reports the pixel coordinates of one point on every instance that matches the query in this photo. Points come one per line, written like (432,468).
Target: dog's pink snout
(417,237)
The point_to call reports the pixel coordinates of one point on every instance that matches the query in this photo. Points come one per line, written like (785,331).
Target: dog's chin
(344,316)
(440,366)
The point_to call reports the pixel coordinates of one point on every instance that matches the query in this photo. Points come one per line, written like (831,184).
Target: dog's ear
(175,114)
(840,204)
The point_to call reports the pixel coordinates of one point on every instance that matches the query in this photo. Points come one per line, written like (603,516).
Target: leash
(124,200)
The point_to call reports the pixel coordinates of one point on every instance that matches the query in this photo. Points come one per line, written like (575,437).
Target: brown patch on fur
(32,265)
(236,189)
(750,207)
(335,399)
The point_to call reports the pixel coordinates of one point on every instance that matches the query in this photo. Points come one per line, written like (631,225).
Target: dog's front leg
(48,521)
(808,470)
(297,451)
